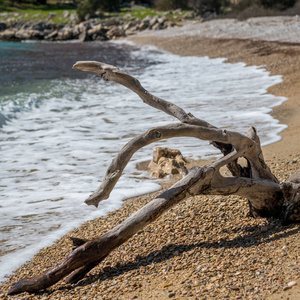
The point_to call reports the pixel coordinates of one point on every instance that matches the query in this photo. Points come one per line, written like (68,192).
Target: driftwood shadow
(171,250)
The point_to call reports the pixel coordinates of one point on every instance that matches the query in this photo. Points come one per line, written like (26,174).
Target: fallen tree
(267,197)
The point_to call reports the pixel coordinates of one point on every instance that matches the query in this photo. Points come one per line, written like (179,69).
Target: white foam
(55,150)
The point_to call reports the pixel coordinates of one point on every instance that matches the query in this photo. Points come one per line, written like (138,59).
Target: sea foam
(56,145)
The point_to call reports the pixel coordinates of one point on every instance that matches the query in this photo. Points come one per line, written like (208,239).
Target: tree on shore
(89,7)
(267,197)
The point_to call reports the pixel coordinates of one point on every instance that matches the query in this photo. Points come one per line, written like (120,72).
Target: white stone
(291,283)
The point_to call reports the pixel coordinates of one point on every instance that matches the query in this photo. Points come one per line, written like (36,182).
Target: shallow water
(61,128)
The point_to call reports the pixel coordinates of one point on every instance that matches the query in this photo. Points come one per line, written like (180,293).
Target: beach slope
(206,247)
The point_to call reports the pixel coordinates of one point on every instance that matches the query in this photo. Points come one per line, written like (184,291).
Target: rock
(166,161)
(97,33)
(209,15)
(153,21)
(51,15)
(115,32)
(128,25)
(156,27)
(143,26)
(51,36)
(177,11)
(162,20)
(3,26)
(295,177)
(66,14)
(40,26)
(291,283)
(65,34)
(86,24)
(83,36)
(73,17)
(130,32)
(264,229)
(23,34)
(26,26)
(188,16)
(8,35)
(113,22)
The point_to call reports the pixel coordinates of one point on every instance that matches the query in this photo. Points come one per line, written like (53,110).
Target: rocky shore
(90,30)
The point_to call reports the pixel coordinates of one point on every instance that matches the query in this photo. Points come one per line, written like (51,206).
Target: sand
(205,247)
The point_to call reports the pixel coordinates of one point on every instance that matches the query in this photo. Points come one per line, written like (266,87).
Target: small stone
(291,283)
(167,284)
(184,292)
(172,294)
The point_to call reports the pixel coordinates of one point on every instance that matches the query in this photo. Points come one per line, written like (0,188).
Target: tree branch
(267,198)
(112,73)
(117,166)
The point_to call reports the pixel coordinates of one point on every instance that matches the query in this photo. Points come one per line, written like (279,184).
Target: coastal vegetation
(60,11)
(90,20)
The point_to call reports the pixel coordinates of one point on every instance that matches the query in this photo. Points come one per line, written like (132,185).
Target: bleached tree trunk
(266,196)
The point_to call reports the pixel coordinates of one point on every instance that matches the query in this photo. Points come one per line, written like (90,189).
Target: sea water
(60,129)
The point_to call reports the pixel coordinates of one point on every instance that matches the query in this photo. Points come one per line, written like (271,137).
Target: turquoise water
(60,129)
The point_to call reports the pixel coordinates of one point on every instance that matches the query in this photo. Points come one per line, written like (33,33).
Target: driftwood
(267,197)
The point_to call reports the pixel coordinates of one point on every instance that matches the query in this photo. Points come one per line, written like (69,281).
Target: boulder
(166,162)
(98,33)
(189,16)
(24,26)
(8,35)
(162,20)
(40,26)
(153,21)
(115,32)
(65,34)
(83,36)
(29,34)
(51,36)
(3,26)
(128,25)
(145,23)
(130,32)
(66,14)
(156,26)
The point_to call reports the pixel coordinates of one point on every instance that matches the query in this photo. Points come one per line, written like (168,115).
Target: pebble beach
(207,247)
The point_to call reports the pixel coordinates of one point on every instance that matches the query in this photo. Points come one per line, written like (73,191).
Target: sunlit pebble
(238,264)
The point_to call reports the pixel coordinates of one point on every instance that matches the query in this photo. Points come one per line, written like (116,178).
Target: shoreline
(267,54)
(171,257)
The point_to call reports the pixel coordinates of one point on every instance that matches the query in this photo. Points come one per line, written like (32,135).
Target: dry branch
(267,197)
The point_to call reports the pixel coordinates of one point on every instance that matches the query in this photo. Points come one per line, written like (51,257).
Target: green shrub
(170,4)
(89,7)
(217,6)
(277,4)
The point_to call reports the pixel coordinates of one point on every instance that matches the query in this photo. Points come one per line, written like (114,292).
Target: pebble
(291,283)
(232,255)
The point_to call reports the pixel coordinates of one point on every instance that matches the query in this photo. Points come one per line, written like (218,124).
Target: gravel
(204,248)
(279,28)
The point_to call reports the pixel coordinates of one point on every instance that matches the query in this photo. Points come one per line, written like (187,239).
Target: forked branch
(255,181)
